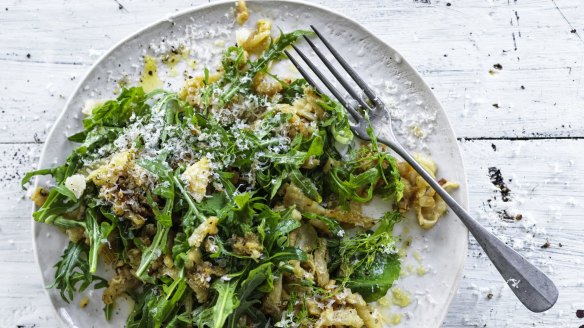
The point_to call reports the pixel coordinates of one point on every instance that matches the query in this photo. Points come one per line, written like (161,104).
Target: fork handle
(531,286)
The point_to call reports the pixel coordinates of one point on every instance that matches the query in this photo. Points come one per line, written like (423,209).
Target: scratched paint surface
(509,74)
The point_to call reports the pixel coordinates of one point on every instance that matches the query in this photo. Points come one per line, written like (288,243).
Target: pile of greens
(252,163)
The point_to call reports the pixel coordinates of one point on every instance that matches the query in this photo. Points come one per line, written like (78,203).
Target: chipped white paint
(454,47)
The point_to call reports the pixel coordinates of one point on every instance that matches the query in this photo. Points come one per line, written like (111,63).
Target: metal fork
(531,286)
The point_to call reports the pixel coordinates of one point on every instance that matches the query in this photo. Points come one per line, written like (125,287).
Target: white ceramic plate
(441,251)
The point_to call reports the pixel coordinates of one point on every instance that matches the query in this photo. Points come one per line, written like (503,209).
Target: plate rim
(190,10)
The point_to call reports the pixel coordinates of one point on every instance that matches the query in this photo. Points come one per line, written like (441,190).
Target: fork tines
(346,85)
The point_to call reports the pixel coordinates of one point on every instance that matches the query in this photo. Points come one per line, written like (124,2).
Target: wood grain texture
(536,97)
(545,181)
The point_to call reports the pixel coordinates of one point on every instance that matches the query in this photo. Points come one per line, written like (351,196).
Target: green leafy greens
(222,206)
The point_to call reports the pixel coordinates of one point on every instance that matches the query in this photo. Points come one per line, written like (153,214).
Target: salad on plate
(235,202)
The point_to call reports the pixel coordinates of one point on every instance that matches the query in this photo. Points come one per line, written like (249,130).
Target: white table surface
(527,119)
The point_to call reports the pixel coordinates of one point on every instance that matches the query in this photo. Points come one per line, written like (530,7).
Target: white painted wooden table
(525,118)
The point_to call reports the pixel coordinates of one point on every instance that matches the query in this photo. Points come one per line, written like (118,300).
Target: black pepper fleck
(572,31)
(546,244)
(496,105)
(28,56)
(503,215)
(494,147)
(448,4)
(498,181)
(498,66)
(120,6)
(150,73)
(522,87)
(580,313)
